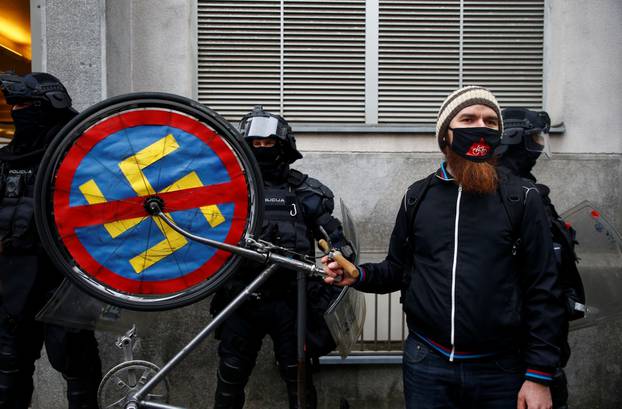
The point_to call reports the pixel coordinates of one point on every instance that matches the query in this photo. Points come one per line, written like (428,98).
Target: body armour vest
(284,223)
(17,231)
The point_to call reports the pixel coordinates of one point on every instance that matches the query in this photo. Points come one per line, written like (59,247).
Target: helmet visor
(262,127)
(538,141)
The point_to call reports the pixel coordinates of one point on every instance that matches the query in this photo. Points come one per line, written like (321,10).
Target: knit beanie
(457,101)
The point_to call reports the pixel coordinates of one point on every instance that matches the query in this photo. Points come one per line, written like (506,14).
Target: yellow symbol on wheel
(132,169)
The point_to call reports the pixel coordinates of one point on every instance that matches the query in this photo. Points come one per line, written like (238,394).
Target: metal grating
(421,60)
(503,49)
(324,69)
(239,55)
(319,77)
(418,58)
(311,64)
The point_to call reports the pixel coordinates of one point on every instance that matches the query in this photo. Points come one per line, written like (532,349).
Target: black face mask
(268,157)
(475,144)
(271,161)
(31,126)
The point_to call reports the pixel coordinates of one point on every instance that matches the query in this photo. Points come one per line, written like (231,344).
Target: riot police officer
(297,209)
(524,140)
(41,106)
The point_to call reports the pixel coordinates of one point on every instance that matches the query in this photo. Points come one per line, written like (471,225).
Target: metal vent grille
(319,77)
(239,55)
(306,59)
(424,54)
(324,70)
(503,49)
(418,58)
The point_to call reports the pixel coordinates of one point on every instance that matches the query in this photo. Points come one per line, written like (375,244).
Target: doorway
(15,52)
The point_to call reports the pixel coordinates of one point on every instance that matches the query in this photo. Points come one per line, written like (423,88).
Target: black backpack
(513,191)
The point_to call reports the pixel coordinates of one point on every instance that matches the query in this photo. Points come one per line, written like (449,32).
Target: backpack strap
(513,191)
(414,195)
(412,199)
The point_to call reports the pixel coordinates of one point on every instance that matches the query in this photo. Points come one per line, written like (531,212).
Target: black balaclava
(32,125)
(519,160)
(272,162)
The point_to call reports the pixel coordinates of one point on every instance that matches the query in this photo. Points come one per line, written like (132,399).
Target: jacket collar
(443,174)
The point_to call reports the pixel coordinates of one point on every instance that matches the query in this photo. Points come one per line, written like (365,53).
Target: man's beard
(475,177)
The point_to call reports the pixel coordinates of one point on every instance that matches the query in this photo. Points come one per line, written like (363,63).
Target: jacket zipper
(453,277)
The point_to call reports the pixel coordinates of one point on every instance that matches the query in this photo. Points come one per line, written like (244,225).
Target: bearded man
(478,286)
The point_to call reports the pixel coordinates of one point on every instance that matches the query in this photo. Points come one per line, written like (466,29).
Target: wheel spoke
(211,170)
(117,404)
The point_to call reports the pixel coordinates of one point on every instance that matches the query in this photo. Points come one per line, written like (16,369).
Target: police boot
(15,393)
(81,392)
(15,383)
(290,376)
(230,388)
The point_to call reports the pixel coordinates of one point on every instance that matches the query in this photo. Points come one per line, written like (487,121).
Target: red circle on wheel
(70,217)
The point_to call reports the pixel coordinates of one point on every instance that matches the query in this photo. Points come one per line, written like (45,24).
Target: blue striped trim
(444,172)
(545,378)
(361,274)
(539,375)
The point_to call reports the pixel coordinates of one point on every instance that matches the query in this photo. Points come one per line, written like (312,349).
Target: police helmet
(521,125)
(36,87)
(261,124)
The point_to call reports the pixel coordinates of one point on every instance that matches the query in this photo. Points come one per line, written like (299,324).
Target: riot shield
(345,319)
(346,315)
(349,230)
(108,164)
(599,250)
(71,307)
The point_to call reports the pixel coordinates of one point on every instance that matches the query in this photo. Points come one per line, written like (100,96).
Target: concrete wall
(151,46)
(144,47)
(582,81)
(72,44)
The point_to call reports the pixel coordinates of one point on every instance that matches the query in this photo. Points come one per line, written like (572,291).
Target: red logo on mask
(479,149)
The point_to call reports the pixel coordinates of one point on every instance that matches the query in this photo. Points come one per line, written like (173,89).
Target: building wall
(101,48)
(151,46)
(582,85)
(71,44)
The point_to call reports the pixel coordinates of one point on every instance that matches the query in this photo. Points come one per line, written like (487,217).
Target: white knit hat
(457,101)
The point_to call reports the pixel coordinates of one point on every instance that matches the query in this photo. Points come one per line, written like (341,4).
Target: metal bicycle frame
(135,401)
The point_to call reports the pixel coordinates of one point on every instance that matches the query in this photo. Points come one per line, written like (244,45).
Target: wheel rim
(108,161)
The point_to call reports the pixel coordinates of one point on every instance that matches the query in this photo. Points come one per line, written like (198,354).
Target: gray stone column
(151,46)
(71,42)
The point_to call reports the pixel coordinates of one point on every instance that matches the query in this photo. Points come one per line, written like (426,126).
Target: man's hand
(534,396)
(332,270)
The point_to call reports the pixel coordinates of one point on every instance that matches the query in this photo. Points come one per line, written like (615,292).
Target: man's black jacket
(462,286)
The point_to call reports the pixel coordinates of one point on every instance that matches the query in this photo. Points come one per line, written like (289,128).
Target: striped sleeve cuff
(362,274)
(539,376)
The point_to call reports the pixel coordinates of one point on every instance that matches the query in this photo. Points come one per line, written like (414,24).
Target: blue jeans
(432,382)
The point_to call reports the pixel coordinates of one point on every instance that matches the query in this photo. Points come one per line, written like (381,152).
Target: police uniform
(27,276)
(520,154)
(297,209)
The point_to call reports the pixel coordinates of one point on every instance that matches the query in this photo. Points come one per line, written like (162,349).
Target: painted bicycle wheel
(98,173)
